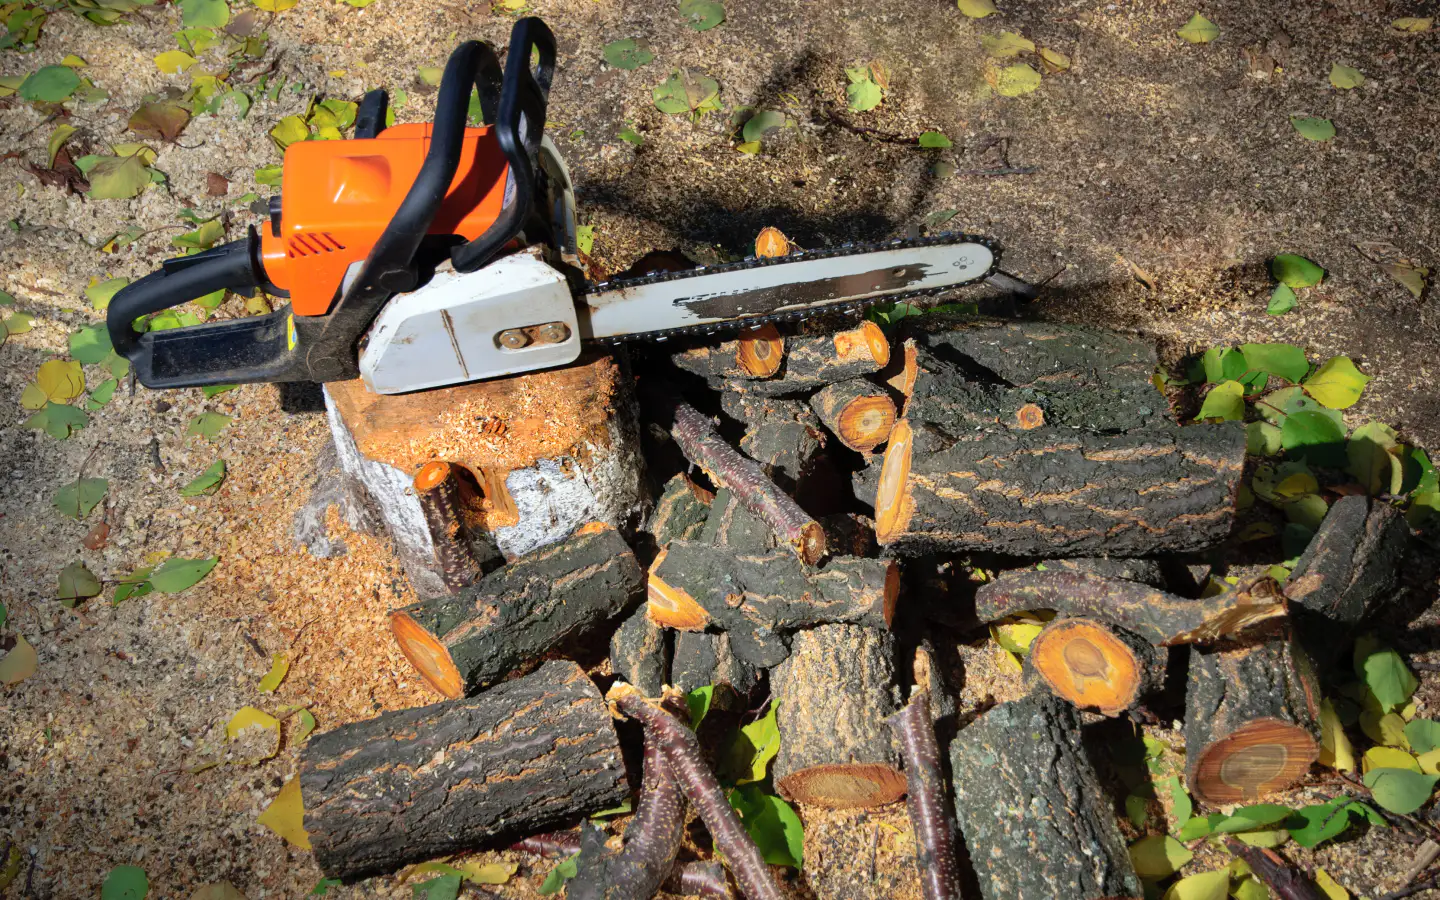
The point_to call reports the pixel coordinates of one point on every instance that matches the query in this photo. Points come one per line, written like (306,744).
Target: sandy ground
(1170,156)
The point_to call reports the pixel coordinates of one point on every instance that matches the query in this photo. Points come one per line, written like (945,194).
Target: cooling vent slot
(313,243)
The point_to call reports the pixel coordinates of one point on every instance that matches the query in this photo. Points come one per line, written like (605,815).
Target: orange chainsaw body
(338,196)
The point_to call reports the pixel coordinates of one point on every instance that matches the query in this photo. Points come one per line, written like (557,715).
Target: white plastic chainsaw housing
(448,331)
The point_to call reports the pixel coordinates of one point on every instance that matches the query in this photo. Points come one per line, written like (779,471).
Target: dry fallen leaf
(286,815)
(19,664)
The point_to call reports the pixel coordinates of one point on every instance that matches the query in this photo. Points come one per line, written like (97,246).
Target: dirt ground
(1150,154)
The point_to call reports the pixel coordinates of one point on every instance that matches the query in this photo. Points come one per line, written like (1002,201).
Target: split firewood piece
(784,436)
(757,353)
(702,658)
(1251,720)
(1284,880)
(681,512)
(514,616)
(639,651)
(834,694)
(705,448)
(927,799)
(1096,666)
(857,412)
(1346,574)
(439,493)
(903,370)
(1058,836)
(1145,571)
(731,524)
(1058,492)
(693,586)
(1159,617)
(534,753)
(652,839)
(687,764)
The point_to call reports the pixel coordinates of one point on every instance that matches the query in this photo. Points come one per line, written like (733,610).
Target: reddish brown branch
(438,491)
(1283,879)
(551,846)
(926,801)
(699,879)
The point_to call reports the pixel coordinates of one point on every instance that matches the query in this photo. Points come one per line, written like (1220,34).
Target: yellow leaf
(1430,762)
(276,5)
(1389,758)
(33,397)
(1008,661)
(1205,886)
(749,148)
(249,717)
(289,130)
(173,62)
(1016,80)
(1412,24)
(977,9)
(1006,44)
(1199,30)
(60,379)
(489,873)
(222,890)
(286,815)
(1016,636)
(73,61)
(1331,888)
(1335,748)
(1054,60)
(329,133)
(19,664)
(279,665)
(11,867)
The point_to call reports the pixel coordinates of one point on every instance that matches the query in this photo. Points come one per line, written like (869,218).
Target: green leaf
(1308,511)
(100,292)
(289,130)
(203,238)
(175,575)
(934,140)
(1313,128)
(628,54)
(307,725)
(754,745)
(117,365)
(1005,45)
(206,481)
(211,390)
(863,96)
(763,121)
(1344,77)
(208,425)
(701,15)
(79,497)
(1205,886)
(1314,436)
(686,92)
(49,84)
(1199,30)
(1225,401)
(698,702)
(1137,810)
(585,239)
(77,583)
(269,176)
(1337,384)
(1313,825)
(57,420)
(1374,461)
(4,615)
(555,880)
(772,824)
(91,343)
(1423,734)
(1275,406)
(1016,80)
(323,886)
(1182,805)
(1262,439)
(1386,674)
(136,584)
(125,883)
(1400,790)
(976,9)
(444,887)
(204,13)
(118,178)
(1158,856)
(1249,818)
(631,136)
(1295,271)
(1282,300)
(1280,360)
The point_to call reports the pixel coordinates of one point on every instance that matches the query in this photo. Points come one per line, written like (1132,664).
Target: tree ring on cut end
(1084,662)
(1264,756)
(844,786)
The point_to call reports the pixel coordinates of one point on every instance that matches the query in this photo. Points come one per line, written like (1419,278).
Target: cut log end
(856,785)
(428,655)
(1263,756)
(1087,664)
(432,475)
(671,606)
(875,342)
(891,502)
(810,546)
(760,352)
(1029,416)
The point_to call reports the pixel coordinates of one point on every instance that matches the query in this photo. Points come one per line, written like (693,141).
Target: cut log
(639,653)
(444,506)
(1058,492)
(958,405)
(731,524)
(694,586)
(1057,836)
(904,369)
(1251,720)
(547,451)
(815,360)
(755,354)
(1145,571)
(783,436)
(512,617)
(681,511)
(857,412)
(1159,617)
(726,467)
(1346,574)
(834,693)
(1095,666)
(702,658)
(535,753)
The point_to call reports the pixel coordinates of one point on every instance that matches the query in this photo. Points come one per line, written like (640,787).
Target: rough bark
(701,445)
(731,524)
(1346,574)
(531,754)
(1057,836)
(857,412)
(1058,492)
(1095,666)
(755,354)
(680,512)
(443,503)
(514,616)
(1145,571)
(702,658)
(834,694)
(1251,720)
(1157,616)
(639,653)
(784,436)
(958,405)
(927,675)
(815,360)
(927,800)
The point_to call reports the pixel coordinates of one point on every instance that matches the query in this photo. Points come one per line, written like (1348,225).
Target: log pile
(1045,446)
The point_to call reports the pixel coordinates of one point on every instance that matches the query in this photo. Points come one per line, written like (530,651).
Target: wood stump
(535,753)
(834,694)
(1095,666)
(544,453)
(1036,821)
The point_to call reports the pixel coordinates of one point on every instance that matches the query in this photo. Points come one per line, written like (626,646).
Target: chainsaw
(423,255)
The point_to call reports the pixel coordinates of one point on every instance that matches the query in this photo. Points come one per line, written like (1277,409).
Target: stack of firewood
(1045,447)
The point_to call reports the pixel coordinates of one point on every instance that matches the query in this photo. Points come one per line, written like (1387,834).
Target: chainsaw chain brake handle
(281,347)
